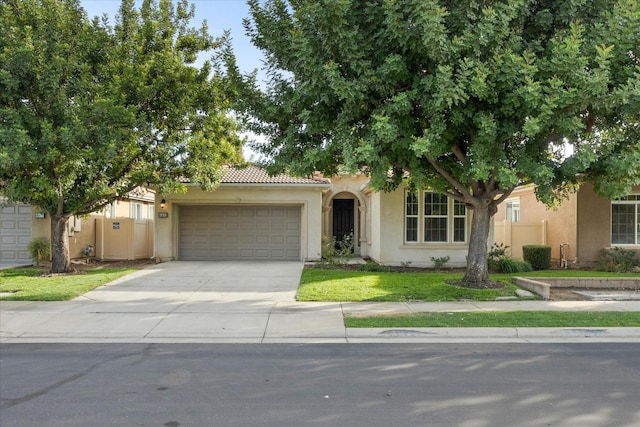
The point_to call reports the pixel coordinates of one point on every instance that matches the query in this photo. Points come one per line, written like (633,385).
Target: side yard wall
(560,224)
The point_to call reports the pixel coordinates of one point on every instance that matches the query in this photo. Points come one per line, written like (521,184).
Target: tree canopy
(89,111)
(469,98)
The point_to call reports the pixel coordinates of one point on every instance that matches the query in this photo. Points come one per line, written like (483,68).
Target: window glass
(434,217)
(625,227)
(513,210)
(411,217)
(459,222)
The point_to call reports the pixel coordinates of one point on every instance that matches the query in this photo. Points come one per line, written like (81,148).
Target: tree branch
(450,179)
(459,154)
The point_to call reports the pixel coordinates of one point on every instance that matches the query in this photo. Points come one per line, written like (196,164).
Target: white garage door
(15,234)
(239,233)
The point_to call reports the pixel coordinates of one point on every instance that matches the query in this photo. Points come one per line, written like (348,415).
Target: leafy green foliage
(500,262)
(334,250)
(539,256)
(374,267)
(471,98)
(90,111)
(39,249)
(440,262)
(513,265)
(617,259)
(498,252)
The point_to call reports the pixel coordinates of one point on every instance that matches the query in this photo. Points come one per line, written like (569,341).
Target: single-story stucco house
(582,226)
(254,216)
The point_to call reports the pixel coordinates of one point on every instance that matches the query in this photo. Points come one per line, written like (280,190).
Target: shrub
(497,253)
(40,249)
(617,259)
(513,265)
(440,262)
(539,256)
(375,267)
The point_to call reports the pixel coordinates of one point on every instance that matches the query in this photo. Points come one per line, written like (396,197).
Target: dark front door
(342,218)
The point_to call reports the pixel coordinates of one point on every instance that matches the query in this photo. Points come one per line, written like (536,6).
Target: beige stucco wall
(594,224)
(308,197)
(388,246)
(583,221)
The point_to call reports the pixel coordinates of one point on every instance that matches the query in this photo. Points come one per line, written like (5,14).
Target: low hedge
(539,256)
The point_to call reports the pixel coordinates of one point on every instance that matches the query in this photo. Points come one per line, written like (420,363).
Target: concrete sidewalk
(255,303)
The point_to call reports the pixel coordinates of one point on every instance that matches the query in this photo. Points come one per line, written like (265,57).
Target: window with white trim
(136,210)
(434,218)
(110,210)
(513,210)
(411,217)
(625,221)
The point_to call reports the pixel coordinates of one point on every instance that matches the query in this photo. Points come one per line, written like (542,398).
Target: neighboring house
(123,230)
(583,225)
(256,217)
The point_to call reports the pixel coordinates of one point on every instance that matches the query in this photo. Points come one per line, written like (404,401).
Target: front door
(342,218)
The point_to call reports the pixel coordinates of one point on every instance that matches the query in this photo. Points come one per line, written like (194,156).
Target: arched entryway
(343,218)
(345,214)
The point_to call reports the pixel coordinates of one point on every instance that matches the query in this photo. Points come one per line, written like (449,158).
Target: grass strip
(346,285)
(28,284)
(497,319)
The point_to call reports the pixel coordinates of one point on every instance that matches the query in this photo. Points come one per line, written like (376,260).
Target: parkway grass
(498,319)
(29,284)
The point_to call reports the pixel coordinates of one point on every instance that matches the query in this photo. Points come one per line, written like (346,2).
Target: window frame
(630,200)
(452,219)
(415,203)
(136,211)
(510,210)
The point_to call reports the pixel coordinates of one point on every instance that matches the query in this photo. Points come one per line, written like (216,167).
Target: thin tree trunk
(60,257)
(477,274)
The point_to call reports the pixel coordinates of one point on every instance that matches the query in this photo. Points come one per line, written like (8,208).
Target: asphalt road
(319,385)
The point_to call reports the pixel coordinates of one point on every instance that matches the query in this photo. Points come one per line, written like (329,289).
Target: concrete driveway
(181,302)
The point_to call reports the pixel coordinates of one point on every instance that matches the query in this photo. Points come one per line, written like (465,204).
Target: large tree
(90,111)
(469,98)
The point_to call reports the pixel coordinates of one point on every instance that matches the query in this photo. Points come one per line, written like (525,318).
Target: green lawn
(29,284)
(347,285)
(521,319)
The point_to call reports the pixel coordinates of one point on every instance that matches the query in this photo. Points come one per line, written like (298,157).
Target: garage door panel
(247,232)
(262,226)
(15,233)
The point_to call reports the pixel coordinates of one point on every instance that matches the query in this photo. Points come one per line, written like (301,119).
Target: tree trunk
(477,274)
(60,257)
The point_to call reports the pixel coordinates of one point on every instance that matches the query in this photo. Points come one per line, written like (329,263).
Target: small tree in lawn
(468,98)
(90,111)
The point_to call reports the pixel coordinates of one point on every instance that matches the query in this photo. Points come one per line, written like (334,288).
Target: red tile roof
(256,175)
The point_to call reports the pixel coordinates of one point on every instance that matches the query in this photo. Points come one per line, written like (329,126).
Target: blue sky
(220,15)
